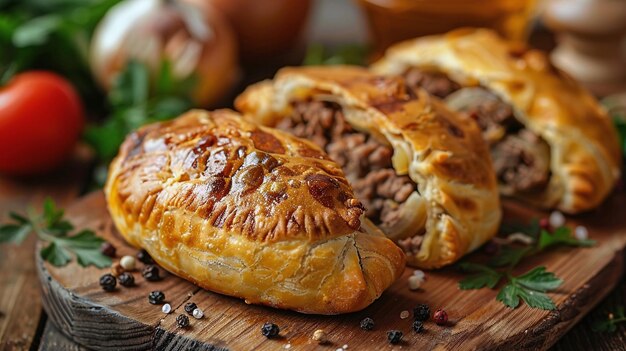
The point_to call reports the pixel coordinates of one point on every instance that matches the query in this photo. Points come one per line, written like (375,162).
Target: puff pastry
(424,175)
(251,212)
(551,142)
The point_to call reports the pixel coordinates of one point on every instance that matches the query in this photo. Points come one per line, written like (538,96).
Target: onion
(193,38)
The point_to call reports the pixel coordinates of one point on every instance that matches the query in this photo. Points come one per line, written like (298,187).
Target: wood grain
(20,304)
(125,320)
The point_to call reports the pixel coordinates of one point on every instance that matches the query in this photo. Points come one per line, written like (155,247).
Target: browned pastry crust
(585,157)
(251,212)
(456,205)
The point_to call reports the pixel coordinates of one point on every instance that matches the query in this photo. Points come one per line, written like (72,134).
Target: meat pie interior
(551,143)
(423,175)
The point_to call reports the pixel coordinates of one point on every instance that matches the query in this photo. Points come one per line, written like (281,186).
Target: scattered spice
(581,232)
(415,282)
(556,219)
(418,326)
(116,269)
(190,307)
(144,257)
(320,336)
(394,336)
(156,297)
(197,313)
(108,249)
(421,312)
(367,324)
(270,330)
(167,308)
(151,273)
(108,282)
(126,279)
(128,263)
(440,317)
(544,224)
(182,321)
(404,314)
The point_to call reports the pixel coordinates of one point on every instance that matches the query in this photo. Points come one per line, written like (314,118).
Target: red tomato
(41,118)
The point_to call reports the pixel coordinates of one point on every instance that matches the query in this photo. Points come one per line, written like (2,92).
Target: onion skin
(264,28)
(193,37)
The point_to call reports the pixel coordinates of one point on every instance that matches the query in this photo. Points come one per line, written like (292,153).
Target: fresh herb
(136,101)
(51,228)
(609,325)
(530,287)
(617,110)
(36,34)
(353,54)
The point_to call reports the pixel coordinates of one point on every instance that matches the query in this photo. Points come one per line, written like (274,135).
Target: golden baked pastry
(251,212)
(424,175)
(551,143)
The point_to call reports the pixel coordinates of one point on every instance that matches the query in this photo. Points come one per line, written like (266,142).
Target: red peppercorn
(440,317)
(544,224)
(108,249)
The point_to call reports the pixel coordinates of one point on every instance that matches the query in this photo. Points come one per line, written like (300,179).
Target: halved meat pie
(424,176)
(551,143)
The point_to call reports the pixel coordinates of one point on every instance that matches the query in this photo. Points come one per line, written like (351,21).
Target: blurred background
(123,63)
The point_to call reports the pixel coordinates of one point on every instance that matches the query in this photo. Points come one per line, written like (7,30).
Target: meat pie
(251,212)
(551,143)
(423,175)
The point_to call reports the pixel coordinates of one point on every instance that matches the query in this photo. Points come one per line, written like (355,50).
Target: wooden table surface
(24,325)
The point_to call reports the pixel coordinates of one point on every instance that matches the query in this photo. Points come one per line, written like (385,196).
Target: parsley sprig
(610,324)
(531,286)
(52,228)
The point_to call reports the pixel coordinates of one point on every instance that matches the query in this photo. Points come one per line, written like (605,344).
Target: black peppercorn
(367,324)
(270,330)
(418,326)
(144,257)
(151,273)
(421,312)
(394,336)
(126,279)
(189,307)
(108,282)
(156,297)
(182,321)
(108,249)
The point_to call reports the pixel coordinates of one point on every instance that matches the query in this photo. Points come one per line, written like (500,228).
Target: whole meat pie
(251,212)
(551,143)
(423,175)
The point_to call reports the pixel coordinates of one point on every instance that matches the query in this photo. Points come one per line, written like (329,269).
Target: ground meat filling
(521,158)
(365,160)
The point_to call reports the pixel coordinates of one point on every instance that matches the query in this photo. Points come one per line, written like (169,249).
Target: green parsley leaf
(55,254)
(50,227)
(14,233)
(509,295)
(538,279)
(510,256)
(530,287)
(561,236)
(86,246)
(484,276)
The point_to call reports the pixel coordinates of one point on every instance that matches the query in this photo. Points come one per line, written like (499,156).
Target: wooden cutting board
(124,320)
